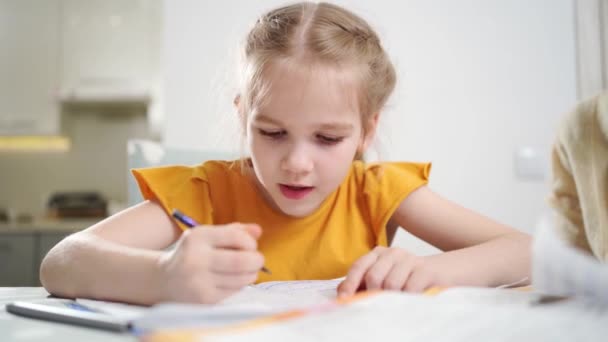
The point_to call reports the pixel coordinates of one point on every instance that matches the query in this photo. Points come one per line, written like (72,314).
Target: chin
(297,211)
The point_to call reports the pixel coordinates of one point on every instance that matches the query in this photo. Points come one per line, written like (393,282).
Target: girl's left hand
(390,269)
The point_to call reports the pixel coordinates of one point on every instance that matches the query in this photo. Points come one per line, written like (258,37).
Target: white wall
(477,80)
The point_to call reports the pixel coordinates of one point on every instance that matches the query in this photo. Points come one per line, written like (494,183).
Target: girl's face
(304,136)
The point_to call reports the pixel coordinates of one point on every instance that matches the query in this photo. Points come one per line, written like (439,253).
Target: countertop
(49,225)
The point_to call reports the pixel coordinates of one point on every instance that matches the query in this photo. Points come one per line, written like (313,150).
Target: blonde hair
(317,33)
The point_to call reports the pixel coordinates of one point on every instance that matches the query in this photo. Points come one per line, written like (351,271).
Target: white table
(510,318)
(15,328)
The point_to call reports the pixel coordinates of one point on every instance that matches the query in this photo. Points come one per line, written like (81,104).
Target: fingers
(235,261)
(387,269)
(235,282)
(231,248)
(398,276)
(354,277)
(375,275)
(211,263)
(233,236)
(253,229)
(418,282)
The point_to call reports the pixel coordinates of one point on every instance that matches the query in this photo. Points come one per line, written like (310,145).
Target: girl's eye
(272,134)
(324,139)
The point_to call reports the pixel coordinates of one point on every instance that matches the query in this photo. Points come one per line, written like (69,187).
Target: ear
(370,132)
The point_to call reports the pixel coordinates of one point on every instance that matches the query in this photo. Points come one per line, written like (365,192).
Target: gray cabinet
(21,255)
(17,259)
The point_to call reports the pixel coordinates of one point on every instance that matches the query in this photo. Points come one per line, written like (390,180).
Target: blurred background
(482,85)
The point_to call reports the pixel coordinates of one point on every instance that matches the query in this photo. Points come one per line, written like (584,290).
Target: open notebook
(456,314)
(255,301)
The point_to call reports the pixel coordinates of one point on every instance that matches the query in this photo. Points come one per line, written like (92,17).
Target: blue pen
(80,307)
(190,223)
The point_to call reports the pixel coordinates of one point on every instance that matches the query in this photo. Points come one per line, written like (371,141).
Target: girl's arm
(121,259)
(479,251)
(483,252)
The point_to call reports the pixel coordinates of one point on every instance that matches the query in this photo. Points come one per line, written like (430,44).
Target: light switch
(530,165)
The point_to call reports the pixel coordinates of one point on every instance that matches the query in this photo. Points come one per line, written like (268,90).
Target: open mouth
(295,191)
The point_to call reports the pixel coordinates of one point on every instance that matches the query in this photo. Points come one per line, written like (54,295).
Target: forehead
(309,92)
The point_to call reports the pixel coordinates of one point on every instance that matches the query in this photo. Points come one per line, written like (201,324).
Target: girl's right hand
(210,263)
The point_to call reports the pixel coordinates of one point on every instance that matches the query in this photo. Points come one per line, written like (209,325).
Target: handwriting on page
(253,301)
(325,286)
(282,295)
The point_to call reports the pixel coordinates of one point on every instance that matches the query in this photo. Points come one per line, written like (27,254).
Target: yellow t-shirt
(323,245)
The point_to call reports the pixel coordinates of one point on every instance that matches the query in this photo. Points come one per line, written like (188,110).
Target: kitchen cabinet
(21,253)
(29,67)
(69,50)
(110,49)
(17,259)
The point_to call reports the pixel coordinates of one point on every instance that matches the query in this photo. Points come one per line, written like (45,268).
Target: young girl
(304,205)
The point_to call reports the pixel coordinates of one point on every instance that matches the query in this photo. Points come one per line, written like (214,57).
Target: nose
(297,160)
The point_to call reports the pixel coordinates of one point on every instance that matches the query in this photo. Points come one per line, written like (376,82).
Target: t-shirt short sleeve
(386,185)
(177,187)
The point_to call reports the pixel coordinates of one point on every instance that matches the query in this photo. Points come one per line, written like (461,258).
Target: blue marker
(190,223)
(80,307)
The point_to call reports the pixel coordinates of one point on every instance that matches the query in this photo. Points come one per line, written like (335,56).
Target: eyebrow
(339,126)
(265,119)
